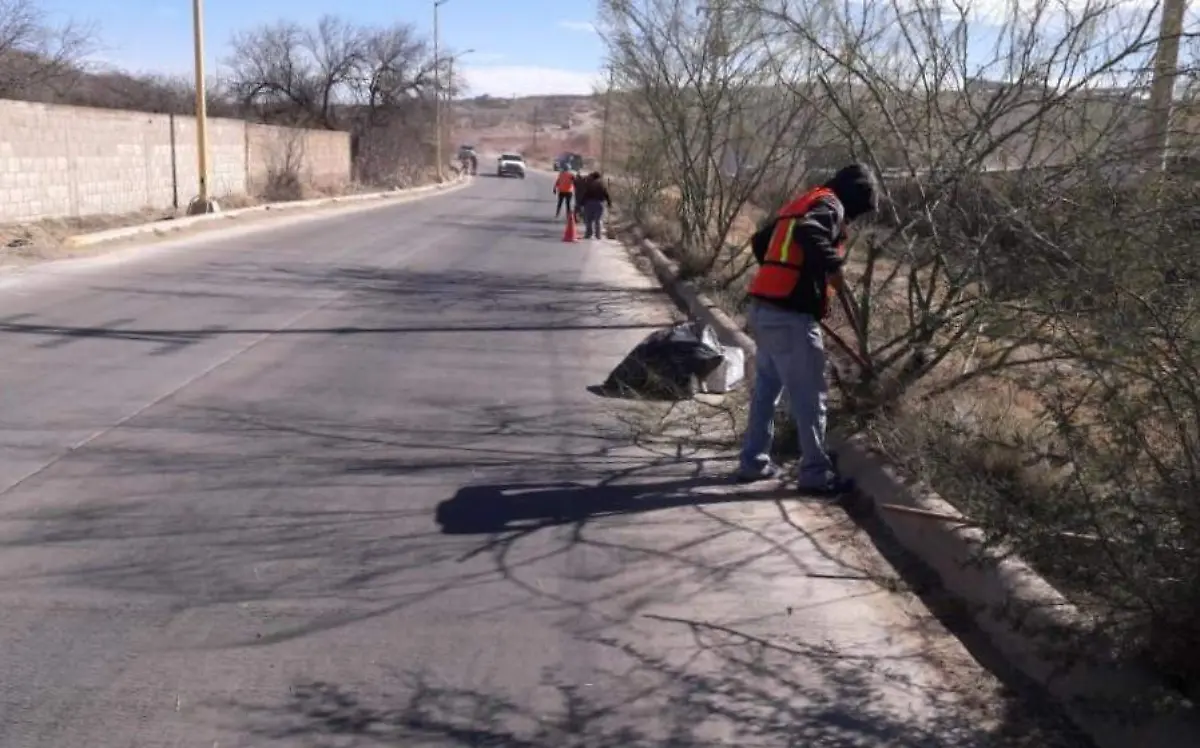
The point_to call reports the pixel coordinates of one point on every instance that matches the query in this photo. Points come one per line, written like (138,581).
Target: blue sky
(521,46)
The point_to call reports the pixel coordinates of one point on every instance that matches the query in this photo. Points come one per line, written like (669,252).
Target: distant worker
(594,198)
(564,187)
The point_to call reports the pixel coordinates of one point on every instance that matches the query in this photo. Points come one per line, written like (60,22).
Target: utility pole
(437,91)
(450,93)
(203,202)
(1162,88)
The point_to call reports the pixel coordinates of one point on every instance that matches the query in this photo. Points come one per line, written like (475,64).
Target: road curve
(222,469)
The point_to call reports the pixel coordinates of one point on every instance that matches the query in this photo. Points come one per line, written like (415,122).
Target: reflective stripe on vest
(780,270)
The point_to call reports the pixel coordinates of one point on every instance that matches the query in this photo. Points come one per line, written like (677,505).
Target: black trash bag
(667,364)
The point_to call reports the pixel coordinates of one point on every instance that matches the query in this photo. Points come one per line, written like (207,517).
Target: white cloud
(485,58)
(528,80)
(584,26)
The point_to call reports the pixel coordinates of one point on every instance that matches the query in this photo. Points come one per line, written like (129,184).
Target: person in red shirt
(564,187)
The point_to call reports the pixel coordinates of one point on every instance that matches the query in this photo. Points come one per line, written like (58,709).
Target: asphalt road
(221,467)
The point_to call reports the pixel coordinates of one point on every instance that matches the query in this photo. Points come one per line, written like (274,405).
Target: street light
(437,90)
(203,203)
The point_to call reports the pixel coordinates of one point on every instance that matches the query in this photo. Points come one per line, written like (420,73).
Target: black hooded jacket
(817,233)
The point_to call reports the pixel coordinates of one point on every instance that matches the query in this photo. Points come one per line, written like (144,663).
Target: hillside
(540,127)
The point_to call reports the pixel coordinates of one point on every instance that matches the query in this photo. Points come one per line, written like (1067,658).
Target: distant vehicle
(468,158)
(569,162)
(510,165)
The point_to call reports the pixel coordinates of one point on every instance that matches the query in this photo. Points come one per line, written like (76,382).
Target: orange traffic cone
(571,234)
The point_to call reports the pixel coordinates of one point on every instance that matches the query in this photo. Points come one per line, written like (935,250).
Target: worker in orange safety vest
(564,187)
(800,255)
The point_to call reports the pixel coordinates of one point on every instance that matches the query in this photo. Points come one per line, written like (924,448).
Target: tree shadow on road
(659,528)
(715,687)
(318,488)
(499,508)
(408,302)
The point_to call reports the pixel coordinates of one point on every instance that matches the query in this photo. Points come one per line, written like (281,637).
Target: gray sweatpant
(791,356)
(593,218)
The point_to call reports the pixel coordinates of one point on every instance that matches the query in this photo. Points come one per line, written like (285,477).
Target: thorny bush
(1029,291)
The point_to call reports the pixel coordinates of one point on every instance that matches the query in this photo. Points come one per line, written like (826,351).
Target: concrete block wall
(60,161)
(323,157)
(226,158)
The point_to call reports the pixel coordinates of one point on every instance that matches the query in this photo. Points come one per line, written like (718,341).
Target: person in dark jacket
(800,255)
(580,180)
(594,199)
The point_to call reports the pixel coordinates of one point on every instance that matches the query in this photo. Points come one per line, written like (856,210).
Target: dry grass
(39,241)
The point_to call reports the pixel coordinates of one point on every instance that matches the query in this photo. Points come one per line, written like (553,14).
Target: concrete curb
(1024,617)
(179,224)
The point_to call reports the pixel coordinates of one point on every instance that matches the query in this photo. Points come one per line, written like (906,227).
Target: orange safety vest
(565,183)
(780,270)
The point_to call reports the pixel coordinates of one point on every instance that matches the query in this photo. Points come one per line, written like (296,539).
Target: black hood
(855,187)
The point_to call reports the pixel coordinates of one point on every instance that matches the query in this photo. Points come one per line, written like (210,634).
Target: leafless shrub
(38,59)
(285,178)
(160,94)
(972,163)
(1028,291)
(44,61)
(713,130)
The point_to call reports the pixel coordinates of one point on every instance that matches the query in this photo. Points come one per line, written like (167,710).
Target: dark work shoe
(753,475)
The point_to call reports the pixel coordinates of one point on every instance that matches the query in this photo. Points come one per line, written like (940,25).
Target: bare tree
(396,68)
(394,95)
(699,77)
(45,61)
(904,91)
(38,59)
(270,72)
(336,50)
(375,82)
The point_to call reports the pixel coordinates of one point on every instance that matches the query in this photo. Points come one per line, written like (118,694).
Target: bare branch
(38,59)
